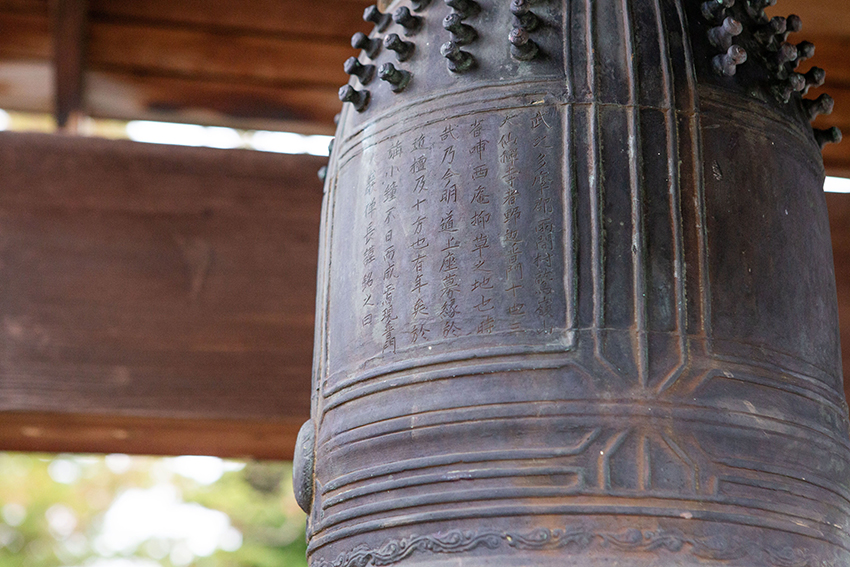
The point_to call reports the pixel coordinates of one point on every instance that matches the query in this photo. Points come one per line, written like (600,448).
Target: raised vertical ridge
(593,177)
(570,245)
(674,191)
(635,187)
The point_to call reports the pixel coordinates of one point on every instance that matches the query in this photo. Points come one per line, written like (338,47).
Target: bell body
(578,307)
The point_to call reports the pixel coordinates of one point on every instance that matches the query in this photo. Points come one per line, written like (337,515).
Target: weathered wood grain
(90,433)
(157,283)
(280,61)
(127,96)
(336,19)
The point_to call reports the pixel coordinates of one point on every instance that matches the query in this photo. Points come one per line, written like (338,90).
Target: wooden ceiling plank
(27,86)
(187,53)
(245,105)
(25,6)
(278,17)
(25,36)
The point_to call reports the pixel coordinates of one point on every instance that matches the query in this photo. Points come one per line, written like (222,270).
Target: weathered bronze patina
(576,300)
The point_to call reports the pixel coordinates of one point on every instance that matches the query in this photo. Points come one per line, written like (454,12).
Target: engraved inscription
(455,242)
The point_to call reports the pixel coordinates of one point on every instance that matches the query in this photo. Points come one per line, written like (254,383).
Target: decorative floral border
(575,539)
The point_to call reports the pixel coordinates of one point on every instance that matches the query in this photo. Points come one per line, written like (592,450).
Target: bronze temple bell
(576,302)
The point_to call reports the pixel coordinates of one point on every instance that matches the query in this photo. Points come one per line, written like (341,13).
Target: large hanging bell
(576,300)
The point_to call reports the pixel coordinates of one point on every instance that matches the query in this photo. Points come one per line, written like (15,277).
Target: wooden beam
(70,22)
(155,288)
(159,300)
(54,432)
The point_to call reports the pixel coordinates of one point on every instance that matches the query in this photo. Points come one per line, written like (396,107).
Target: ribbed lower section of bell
(431,468)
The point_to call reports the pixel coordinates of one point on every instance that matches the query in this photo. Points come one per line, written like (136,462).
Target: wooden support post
(69,20)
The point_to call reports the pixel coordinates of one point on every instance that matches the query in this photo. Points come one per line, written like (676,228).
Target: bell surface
(576,302)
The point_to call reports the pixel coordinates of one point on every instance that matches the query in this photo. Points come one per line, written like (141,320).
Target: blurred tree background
(121,511)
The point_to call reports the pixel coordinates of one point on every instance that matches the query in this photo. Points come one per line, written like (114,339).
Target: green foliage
(260,504)
(66,511)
